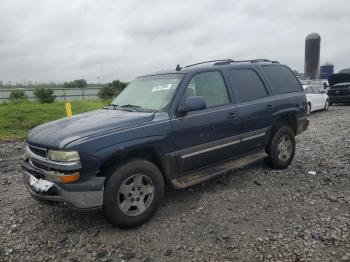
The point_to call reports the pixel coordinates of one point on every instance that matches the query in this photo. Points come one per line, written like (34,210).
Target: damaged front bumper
(80,195)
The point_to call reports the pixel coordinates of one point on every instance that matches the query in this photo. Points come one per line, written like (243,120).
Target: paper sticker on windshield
(161,88)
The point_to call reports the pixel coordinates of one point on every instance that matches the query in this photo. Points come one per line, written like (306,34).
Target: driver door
(207,136)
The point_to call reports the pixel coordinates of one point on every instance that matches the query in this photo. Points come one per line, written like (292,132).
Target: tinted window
(211,86)
(282,79)
(247,85)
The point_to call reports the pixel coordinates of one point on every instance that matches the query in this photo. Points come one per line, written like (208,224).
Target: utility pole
(101,78)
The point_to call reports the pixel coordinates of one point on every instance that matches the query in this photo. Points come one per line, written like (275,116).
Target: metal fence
(62,94)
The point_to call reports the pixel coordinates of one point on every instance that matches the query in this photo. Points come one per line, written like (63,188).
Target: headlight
(63,156)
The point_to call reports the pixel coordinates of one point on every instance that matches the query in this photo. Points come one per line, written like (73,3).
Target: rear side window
(282,79)
(247,85)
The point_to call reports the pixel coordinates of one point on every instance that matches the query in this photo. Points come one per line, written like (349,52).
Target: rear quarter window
(282,79)
(247,85)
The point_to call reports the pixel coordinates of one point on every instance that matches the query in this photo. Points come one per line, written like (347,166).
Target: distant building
(326,70)
(312,56)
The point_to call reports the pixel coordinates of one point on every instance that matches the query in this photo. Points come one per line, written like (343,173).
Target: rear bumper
(84,195)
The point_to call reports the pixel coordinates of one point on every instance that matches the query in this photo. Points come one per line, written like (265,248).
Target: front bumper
(80,195)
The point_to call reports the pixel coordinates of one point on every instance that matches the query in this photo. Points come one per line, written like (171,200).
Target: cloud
(64,40)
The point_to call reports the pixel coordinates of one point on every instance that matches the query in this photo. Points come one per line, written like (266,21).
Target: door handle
(231,114)
(269,107)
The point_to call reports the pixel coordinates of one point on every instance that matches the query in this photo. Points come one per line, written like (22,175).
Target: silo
(312,56)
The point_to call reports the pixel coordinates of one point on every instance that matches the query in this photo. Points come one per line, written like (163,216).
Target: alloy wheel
(284,148)
(135,195)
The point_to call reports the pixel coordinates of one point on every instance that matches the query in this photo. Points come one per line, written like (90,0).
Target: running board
(213,171)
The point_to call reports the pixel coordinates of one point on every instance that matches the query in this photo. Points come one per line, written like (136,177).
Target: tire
(326,105)
(308,111)
(278,144)
(133,193)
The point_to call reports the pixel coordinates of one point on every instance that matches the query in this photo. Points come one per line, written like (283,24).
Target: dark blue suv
(178,127)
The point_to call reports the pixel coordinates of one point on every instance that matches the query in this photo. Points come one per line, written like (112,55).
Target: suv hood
(58,133)
(338,78)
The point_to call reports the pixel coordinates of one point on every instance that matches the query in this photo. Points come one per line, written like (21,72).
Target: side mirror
(323,92)
(192,103)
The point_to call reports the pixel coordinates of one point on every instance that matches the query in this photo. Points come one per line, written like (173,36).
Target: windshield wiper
(118,107)
(135,107)
(129,105)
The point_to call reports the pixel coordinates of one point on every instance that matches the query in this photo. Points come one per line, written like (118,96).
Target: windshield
(149,92)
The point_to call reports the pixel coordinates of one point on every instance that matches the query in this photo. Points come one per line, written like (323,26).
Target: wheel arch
(151,154)
(288,118)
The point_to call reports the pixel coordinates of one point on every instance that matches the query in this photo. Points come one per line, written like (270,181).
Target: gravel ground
(251,214)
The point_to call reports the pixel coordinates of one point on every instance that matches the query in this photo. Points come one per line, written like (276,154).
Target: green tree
(44,95)
(80,83)
(108,92)
(119,85)
(18,95)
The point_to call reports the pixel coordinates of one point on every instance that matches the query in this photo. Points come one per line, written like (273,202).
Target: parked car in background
(339,91)
(316,99)
(179,127)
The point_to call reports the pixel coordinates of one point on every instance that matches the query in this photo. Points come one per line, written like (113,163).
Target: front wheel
(281,148)
(133,193)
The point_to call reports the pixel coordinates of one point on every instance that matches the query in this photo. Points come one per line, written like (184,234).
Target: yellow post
(68,109)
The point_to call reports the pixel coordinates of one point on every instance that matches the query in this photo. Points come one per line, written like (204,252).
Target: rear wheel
(308,111)
(133,193)
(281,148)
(326,105)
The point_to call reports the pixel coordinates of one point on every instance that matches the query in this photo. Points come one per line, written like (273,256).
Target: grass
(16,118)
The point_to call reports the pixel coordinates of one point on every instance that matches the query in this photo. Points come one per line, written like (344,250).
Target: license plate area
(39,185)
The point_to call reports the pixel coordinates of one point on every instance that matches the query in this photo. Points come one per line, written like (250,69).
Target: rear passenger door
(318,98)
(288,93)
(255,107)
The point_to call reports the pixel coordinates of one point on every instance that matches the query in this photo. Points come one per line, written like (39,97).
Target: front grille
(40,166)
(38,151)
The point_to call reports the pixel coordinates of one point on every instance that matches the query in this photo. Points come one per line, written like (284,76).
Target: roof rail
(219,62)
(211,61)
(260,60)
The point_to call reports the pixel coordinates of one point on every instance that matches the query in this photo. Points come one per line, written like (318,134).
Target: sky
(60,40)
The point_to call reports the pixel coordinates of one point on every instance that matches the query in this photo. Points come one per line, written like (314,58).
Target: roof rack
(260,60)
(220,62)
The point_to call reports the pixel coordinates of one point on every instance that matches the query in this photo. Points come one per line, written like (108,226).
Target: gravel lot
(251,214)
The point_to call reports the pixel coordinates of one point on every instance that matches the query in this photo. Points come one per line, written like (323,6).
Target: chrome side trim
(210,149)
(65,166)
(237,140)
(253,137)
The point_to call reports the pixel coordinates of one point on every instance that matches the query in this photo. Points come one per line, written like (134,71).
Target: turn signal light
(66,179)
(62,178)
